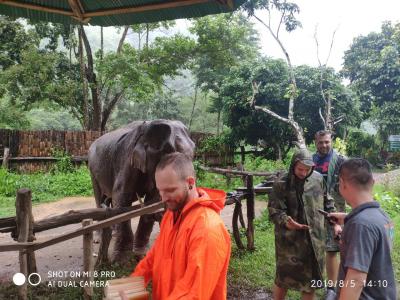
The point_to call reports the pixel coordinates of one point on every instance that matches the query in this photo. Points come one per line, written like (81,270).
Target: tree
(344,102)
(273,76)
(223,41)
(14,39)
(253,126)
(328,119)
(373,67)
(88,84)
(286,11)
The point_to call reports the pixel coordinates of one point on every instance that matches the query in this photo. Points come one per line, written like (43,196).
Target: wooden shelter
(114,13)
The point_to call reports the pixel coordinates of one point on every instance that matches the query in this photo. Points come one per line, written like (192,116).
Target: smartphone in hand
(331,219)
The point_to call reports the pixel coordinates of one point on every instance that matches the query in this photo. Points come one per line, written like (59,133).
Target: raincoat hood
(305,157)
(214,199)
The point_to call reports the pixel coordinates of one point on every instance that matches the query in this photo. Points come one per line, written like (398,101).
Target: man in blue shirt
(327,162)
(366,270)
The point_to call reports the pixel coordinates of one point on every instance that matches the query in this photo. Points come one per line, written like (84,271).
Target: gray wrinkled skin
(122,165)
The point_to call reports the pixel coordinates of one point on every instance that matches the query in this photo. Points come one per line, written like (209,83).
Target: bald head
(179,162)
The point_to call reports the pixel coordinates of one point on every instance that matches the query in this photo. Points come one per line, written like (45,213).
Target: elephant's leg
(98,197)
(142,235)
(123,232)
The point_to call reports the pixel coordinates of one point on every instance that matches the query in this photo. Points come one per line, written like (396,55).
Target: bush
(362,144)
(389,202)
(261,164)
(64,162)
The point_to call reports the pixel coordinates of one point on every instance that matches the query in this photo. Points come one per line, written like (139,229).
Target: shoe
(330,294)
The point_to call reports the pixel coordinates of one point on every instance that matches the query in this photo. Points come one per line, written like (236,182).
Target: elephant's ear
(138,159)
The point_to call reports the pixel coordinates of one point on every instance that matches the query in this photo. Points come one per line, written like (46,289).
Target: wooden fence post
(24,221)
(250,212)
(88,259)
(6,157)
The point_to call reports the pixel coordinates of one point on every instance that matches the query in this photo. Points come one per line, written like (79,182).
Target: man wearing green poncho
(299,227)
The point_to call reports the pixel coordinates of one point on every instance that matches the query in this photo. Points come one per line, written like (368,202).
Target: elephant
(122,166)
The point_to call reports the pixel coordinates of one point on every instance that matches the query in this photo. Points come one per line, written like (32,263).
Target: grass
(45,187)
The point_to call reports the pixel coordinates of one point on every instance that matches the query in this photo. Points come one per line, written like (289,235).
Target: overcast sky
(351,18)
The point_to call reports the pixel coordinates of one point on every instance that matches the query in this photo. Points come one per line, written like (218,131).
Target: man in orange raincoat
(190,257)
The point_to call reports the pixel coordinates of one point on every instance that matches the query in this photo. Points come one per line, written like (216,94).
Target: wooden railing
(23,228)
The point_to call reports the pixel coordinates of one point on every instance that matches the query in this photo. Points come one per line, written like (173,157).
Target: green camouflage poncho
(300,254)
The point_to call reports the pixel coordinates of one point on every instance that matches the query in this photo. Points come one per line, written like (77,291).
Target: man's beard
(183,201)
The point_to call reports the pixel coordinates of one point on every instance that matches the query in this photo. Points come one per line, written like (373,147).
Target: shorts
(332,245)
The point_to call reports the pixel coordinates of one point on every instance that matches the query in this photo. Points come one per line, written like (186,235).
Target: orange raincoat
(189,259)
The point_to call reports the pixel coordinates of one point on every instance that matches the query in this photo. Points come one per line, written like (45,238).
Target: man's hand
(337,217)
(337,229)
(293,225)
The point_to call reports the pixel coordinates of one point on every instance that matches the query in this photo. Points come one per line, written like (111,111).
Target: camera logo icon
(33,279)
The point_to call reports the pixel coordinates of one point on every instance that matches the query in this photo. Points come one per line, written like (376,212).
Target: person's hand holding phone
(337,217)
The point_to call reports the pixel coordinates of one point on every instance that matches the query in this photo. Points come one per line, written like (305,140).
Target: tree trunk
(218,121)
(193,107)
(91,78)
(122,40)
(101,43)
(84,82)
(147,36)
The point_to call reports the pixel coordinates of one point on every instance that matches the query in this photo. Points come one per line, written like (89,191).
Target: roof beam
(37,7)
(125,10)
(79,12)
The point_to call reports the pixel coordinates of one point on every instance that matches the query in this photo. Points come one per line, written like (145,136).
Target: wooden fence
(23,227)
(32,151)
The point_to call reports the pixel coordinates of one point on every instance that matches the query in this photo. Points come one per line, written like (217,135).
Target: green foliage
(14,39)
(44,186)
(214,144)
(64,162)
(253,163)
(340,146)
(287,10)
(361,144)
(373,67)
(273,75)
(223,41)
(389,202)
(12,117)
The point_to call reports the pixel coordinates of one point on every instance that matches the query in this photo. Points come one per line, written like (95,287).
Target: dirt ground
(67,256)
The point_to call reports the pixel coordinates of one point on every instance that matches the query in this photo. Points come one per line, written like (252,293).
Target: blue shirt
(322,162)
(365,246)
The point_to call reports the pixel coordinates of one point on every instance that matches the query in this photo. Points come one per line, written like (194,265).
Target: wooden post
(228,178)
(242,155)
(6,157)
(24,220)
(87,259)
(250,212)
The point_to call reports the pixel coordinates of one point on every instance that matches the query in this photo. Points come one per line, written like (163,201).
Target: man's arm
(352,285)
(208,256)
(277,206)
(145,267)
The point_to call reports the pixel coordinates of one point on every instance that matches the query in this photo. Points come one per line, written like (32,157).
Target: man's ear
(191,181)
